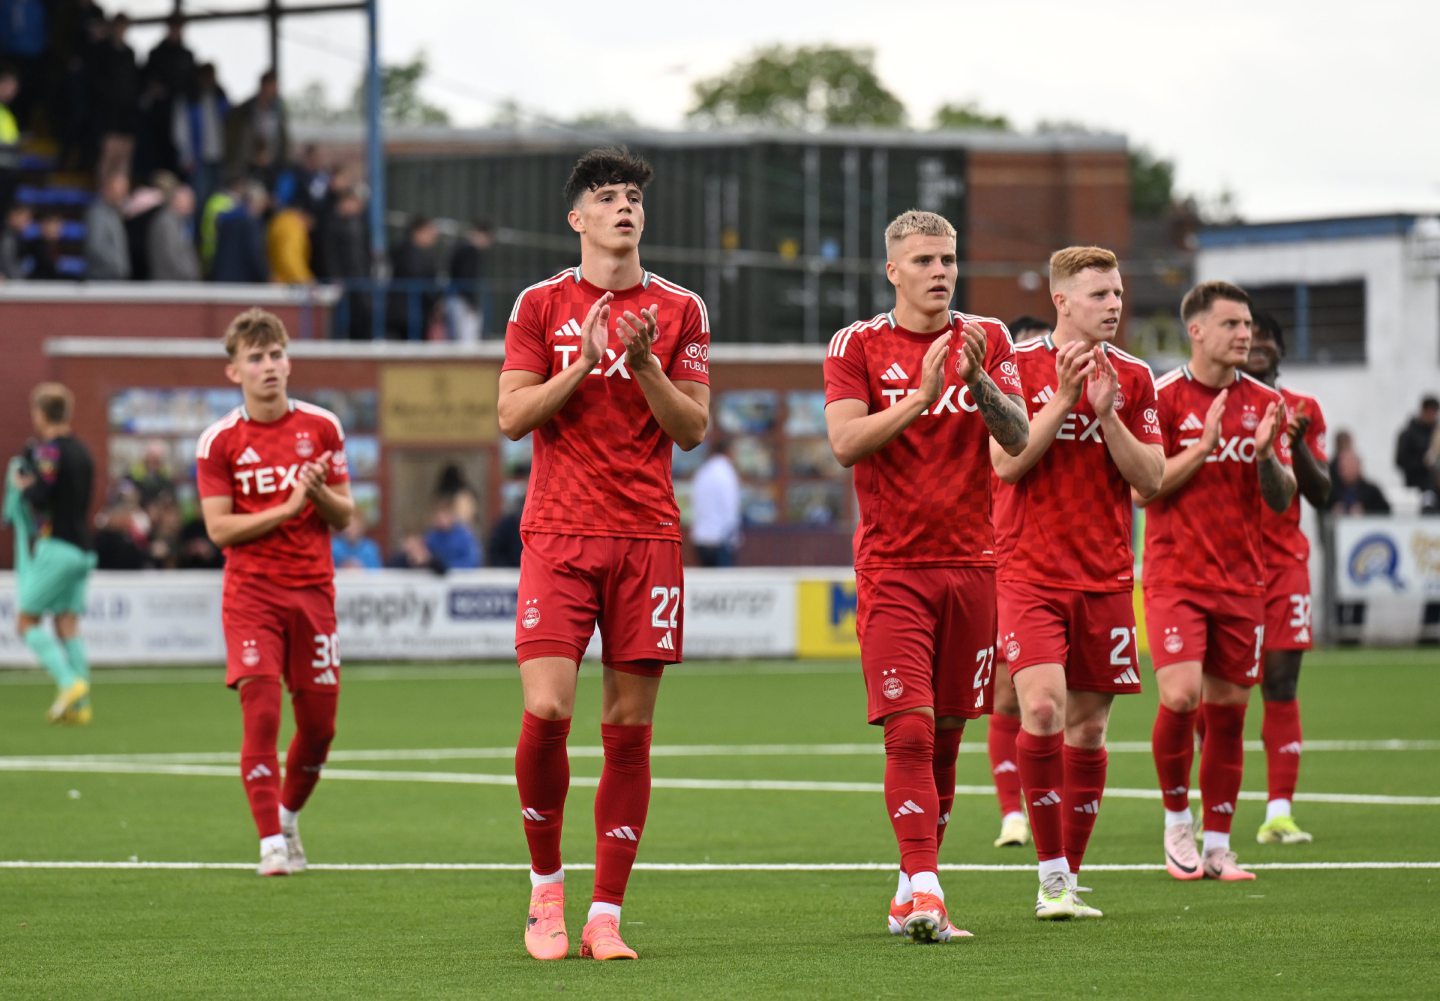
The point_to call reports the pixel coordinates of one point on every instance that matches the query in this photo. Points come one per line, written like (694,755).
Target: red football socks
(1173,743)
(1042,775)
(1003,763)
(314,730)
(621,803)
(259,761)
(542,775)
(947,747)
(1084,786)
(1222,762)
(910,796)
(1281,735)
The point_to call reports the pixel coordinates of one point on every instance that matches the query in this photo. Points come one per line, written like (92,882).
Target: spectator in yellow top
(288,247)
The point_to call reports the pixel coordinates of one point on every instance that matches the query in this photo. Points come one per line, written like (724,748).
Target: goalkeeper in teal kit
(47,503)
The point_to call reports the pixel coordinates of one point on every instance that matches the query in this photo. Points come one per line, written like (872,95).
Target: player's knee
(1043,715)
(910,735)
(1087,734)
(549,707)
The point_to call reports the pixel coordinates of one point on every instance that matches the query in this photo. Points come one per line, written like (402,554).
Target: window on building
(1324,323)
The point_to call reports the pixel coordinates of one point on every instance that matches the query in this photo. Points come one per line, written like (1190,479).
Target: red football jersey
(1067,522)
(254,464)
(1207,534)
(1284,541)
(924,497)
(602,464)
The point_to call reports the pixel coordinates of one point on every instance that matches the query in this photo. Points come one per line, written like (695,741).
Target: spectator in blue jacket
(451,539)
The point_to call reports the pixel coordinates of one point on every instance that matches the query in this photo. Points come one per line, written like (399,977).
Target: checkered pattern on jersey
(1284,541)
(1067,522)
(254,464)
(1207,534)
(925,497)
(602,464)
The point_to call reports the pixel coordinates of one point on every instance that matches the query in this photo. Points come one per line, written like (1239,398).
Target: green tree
(1152,184)
(807,87)
(401,102)
(969,116)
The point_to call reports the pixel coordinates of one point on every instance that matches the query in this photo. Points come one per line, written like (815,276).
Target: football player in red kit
(1066,574)
(272,483)
(608,365)
(912,399)
(1288,624)
(1204,572)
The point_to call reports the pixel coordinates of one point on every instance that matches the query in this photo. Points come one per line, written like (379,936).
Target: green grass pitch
(751,769)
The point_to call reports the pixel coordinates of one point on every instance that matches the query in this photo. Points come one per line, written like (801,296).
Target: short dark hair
(1025,324)
(606,165)
(54,401)
(1267,324)
(1429,403)
(1203,296)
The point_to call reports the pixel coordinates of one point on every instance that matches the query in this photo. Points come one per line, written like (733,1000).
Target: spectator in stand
(46,251)
(122,537)
(1352,493)
(470,294)
(15,260)
(151,478)
(415,266)
(345,256)
(197,552)
(9,137)
(163,544)
(24,37)
(198,131)
(451,538)
(115,96)
(312,182)
(414,555)
(141,208)
(288,247)
(218,204)
(168,78)
(258,132)
(240,239)
(715,508)
(505,541)
(107,250)
(1411,447)
(353,549)
(171,242)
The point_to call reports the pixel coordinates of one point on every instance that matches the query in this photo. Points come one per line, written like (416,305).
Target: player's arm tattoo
(1004,415)
(1277,485)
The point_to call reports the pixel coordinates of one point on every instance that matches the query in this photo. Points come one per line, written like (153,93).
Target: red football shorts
(1287,608)
(927,638)
(278,631)
(1224,632)
(634,588)
(1092,634)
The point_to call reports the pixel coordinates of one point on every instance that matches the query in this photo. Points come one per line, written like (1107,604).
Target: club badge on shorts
(892,686)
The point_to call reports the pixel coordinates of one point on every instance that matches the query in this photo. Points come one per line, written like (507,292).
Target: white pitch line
(70,766)
(873,749)
(678,866)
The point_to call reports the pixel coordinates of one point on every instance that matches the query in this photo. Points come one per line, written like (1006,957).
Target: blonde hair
(1069,262)
(54,401)
(255,328)
(916,223)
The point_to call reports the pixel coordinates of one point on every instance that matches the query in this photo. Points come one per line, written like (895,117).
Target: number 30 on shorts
(327,651)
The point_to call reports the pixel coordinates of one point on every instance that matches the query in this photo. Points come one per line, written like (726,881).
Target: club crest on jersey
(1119,399)
(304,447)
(249,653)
(1249,420)
(1173,642)
(892,686)
(530,618)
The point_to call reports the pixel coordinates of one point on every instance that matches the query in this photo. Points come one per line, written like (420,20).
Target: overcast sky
(1297,109)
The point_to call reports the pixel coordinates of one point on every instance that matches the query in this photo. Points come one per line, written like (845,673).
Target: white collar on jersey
(644,277)
(245,414)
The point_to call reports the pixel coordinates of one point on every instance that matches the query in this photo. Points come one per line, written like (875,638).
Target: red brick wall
(1025,206)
